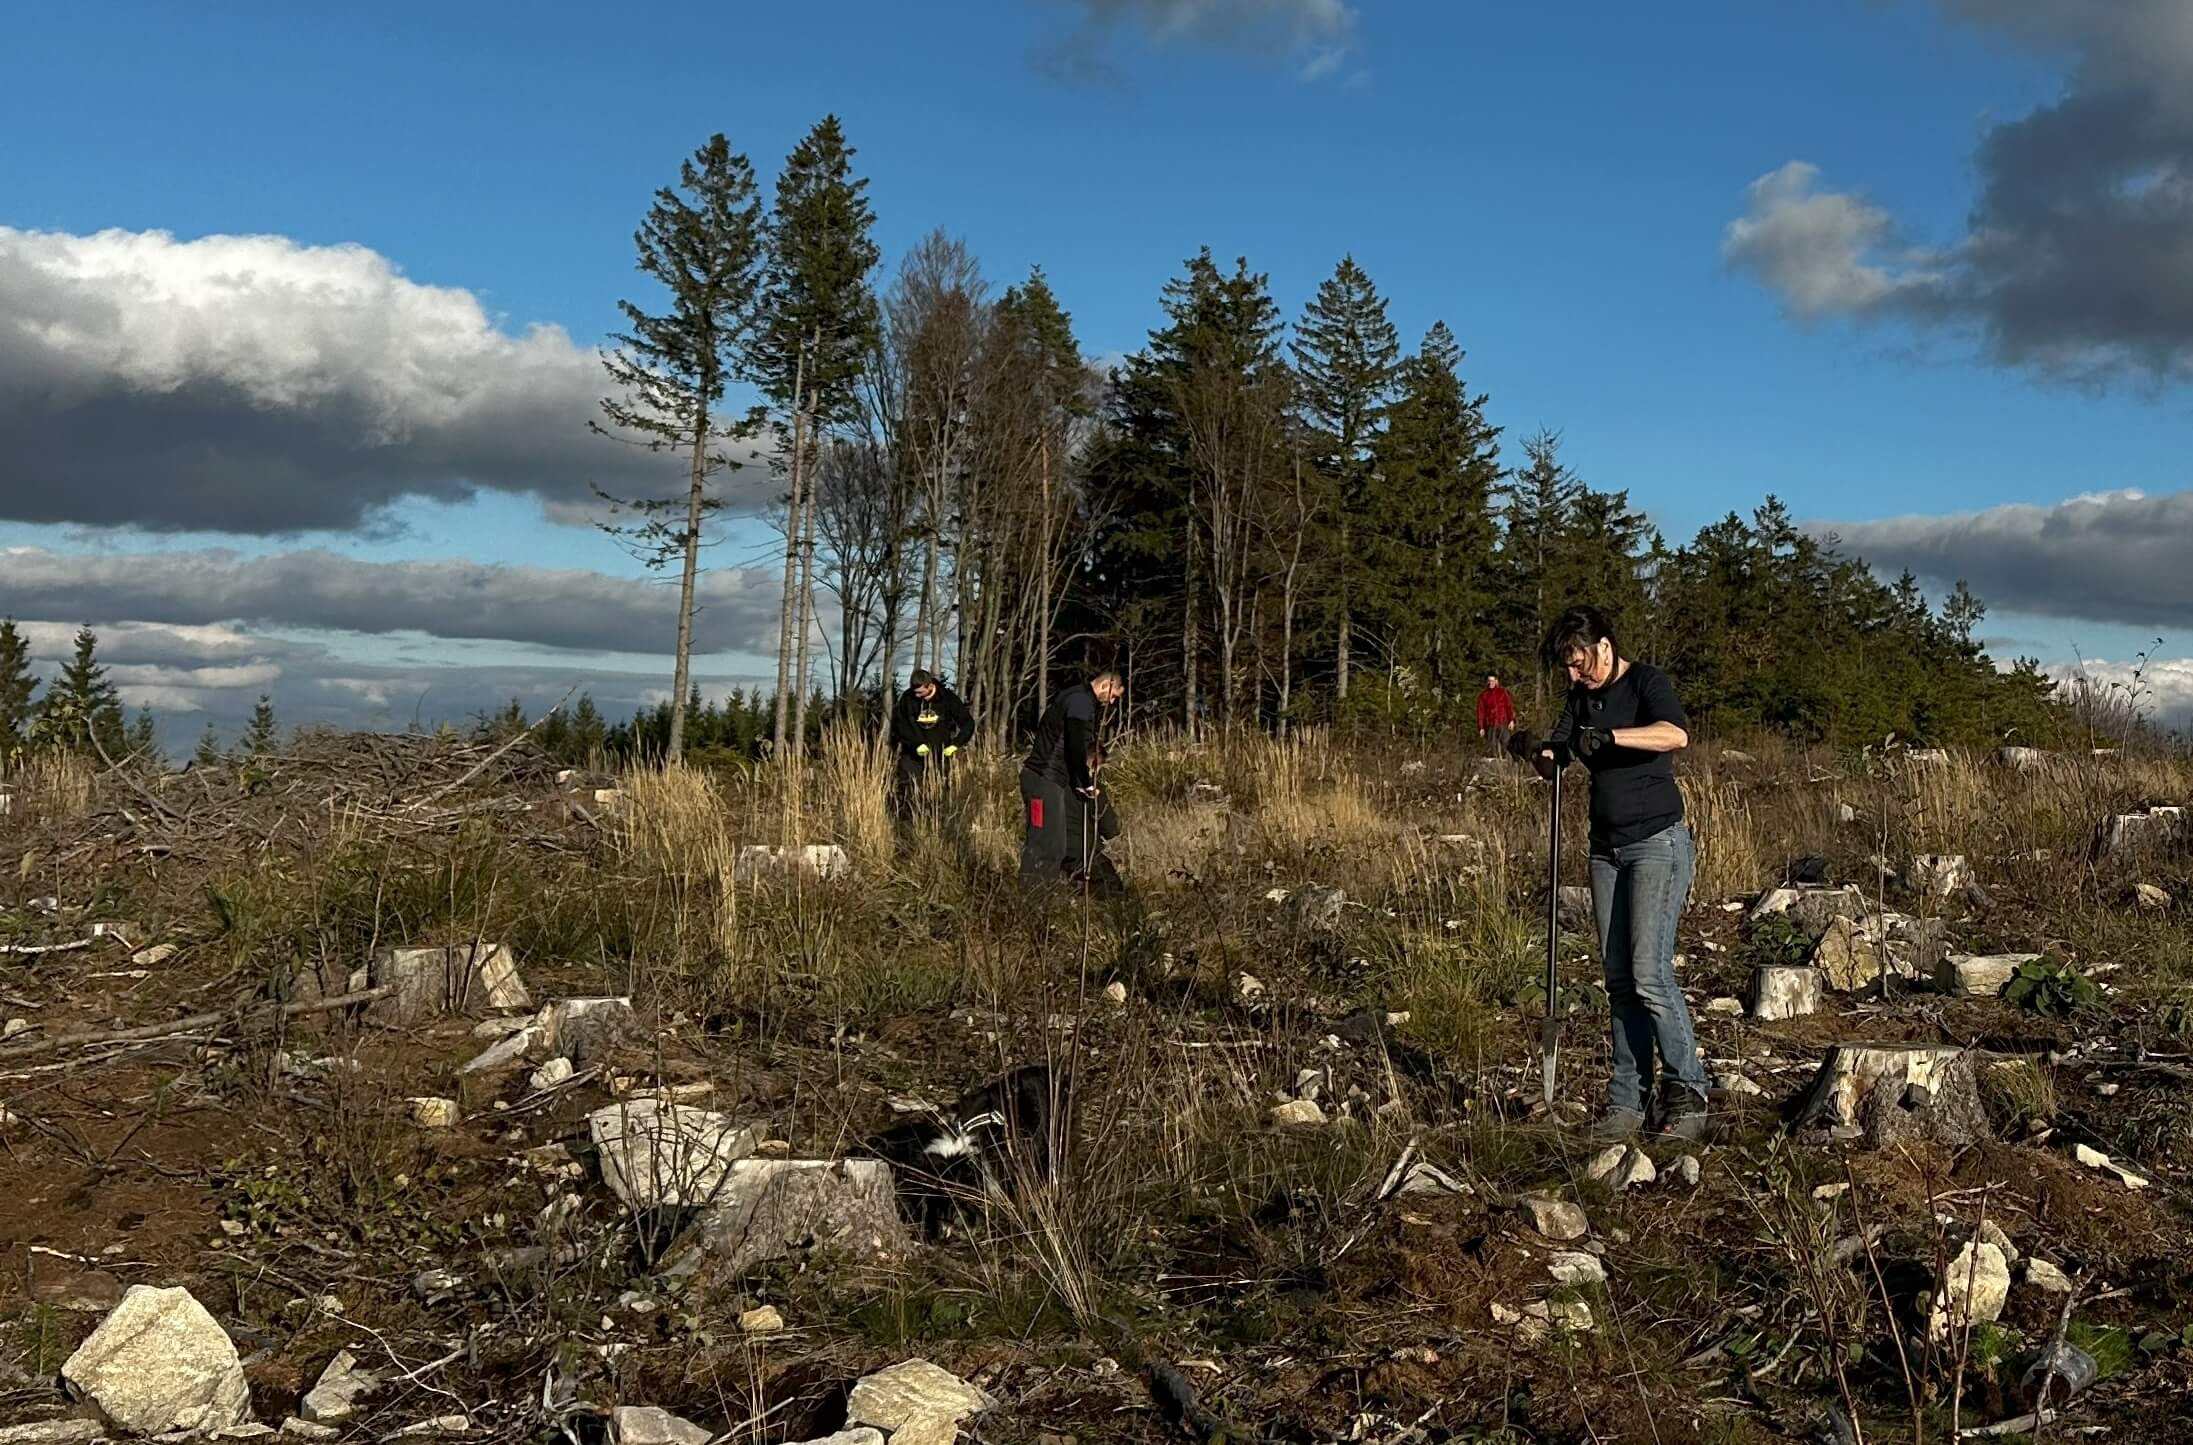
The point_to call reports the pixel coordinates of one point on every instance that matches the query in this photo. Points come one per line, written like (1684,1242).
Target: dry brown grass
(675,823)
(1734,857)
(51,786)
(852,788)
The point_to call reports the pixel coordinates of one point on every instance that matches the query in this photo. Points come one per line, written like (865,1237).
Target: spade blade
(1549,1051)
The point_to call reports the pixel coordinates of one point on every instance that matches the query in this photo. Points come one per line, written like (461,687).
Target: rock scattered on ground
(335,1398)
(1979,975)
(159,1363)
(1973,1289)
(432,1113)
(1574,1266)
(655,1154)
(2045,1276)
(53,1432)
(1297,1113)
(653,1425)
(1556,1219)
(1621,1166)
(914,1402)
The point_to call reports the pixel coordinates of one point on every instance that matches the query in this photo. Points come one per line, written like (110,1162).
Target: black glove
(1585,743)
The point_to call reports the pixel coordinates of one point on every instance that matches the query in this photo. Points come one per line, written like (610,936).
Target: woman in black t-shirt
(1623,722)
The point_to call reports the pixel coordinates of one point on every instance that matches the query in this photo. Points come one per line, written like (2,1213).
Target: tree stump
(1890,1093)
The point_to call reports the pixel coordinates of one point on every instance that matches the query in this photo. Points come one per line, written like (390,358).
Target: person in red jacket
(1495,713)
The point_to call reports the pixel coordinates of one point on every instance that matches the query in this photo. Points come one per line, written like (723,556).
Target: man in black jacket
(929,725)
(1058,766)
(1090,823)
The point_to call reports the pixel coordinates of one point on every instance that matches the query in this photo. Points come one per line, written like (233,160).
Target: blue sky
(1556,182)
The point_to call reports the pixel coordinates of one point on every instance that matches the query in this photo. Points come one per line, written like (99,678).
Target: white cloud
(2076,261)
(1819,250)
(255,385)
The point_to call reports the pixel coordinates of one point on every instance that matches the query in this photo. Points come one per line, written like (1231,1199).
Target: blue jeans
(1637,896)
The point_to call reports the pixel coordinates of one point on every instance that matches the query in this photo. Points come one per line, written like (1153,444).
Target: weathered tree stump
(1889,1093)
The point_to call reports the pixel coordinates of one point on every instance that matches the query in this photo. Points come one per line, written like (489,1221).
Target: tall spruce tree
(1431,493)
(1535,504)
(80,712)
(819,329)
(17,687)
(209,747)
(704,241)
(1345,354)
(261,734)
(143,742)
(587,732)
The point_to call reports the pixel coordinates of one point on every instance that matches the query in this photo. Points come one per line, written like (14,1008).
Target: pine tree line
(1267,524)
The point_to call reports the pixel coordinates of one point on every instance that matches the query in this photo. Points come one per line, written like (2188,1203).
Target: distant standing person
(1495,714)
(929,725)
(1058,766)
(1623,722)
(1091,823)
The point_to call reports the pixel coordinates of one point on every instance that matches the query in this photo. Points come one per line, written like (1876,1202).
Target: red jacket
(1495,709)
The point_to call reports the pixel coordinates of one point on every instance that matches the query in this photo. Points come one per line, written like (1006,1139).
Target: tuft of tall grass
(675,824)
(54,786)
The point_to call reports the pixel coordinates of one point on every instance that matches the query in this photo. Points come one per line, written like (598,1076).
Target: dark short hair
(922,678)
(1576,630)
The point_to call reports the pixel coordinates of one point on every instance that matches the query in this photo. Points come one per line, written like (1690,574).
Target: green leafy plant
(1779,941)
(2051,987)
(2162,1342)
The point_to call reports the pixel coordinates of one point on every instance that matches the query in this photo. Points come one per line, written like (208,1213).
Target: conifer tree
(819,328)
(587,732)
(260,734)
(1345,356)
(704,241)
(209,747)
(143,741)
(1431,492)
(80,712)
(1534,503)
(17,687)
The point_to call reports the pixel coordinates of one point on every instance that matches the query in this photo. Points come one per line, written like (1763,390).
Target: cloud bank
(253,385)
(2120,557)
(545,607)
(2077,260)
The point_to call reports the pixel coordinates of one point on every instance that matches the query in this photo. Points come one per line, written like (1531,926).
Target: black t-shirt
(1061,751)
(1633,793)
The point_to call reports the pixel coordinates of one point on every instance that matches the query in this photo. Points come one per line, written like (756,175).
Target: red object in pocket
(1035,813)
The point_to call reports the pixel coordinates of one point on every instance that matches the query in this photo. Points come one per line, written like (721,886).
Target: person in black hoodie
(929,725)
(1058,766)
(1623,722)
